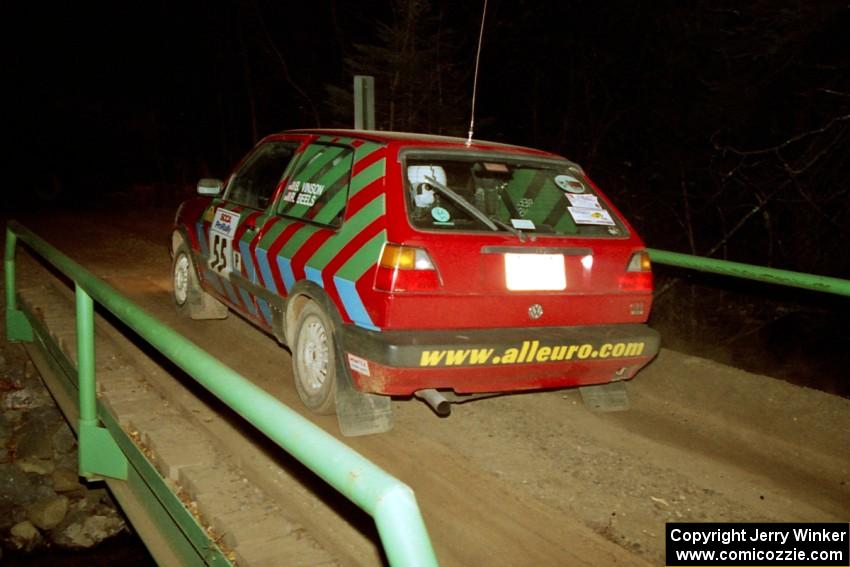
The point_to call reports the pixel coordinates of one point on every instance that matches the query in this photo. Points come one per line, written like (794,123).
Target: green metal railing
(750,272)
(390,502)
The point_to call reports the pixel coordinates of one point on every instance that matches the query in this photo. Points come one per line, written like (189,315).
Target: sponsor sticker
(522,224)
(225,222)
(591,216)
(358,364)
(569,183)
(531,352)
(584,201)
(440,214)
(222,229)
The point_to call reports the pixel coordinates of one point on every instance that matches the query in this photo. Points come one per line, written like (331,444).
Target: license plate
(535,272)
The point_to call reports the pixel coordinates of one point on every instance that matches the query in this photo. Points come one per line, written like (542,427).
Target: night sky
(719,127)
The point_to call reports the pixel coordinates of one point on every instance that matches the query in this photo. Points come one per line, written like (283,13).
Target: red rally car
(395,264)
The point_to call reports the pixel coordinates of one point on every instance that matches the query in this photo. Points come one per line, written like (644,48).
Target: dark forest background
(719,128)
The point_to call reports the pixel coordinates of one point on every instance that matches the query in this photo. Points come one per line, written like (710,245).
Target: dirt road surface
(533,479)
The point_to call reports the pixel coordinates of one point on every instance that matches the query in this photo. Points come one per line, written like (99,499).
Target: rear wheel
(314,360)
(189,298)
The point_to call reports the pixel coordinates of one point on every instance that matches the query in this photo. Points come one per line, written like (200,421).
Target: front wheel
(314,360)
(189,298)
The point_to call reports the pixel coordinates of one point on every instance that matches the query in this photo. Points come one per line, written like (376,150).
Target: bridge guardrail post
(18,328)
(98,452)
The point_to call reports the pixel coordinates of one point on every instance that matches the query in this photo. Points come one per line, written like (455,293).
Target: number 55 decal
(221,240)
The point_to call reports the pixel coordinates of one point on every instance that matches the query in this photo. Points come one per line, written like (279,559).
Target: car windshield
(495,192)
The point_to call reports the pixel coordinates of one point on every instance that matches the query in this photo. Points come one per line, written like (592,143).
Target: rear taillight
(405,268)
(638,276)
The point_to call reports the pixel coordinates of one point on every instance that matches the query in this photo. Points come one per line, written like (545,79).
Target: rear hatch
(506,240)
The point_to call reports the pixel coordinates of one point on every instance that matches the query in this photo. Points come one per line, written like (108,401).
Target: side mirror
(208,186)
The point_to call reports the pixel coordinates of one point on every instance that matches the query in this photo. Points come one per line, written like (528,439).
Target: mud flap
(359,413)
(606,397)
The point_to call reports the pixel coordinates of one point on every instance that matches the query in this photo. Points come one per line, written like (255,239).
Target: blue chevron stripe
(245,250)
(353,304)
(314,276)
(286,271)
(265,270)
(265,310)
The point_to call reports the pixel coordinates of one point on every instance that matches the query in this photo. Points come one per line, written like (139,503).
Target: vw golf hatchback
(395,264)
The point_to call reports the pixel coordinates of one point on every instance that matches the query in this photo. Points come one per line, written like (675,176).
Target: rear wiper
(512,229)
(464,204)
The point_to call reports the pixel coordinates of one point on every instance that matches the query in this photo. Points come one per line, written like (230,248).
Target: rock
(48,513)
(5,430)
(87,531)
(18,399)
(14,416)
(35,437)
(64,441)
(94,498)
(19,488)
(36,465)
(42,498)
(65,480)
(68,461)
(9,516)
(26,394)
(24,536)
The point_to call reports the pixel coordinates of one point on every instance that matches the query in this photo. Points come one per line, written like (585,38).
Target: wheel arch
(180,236)
(302,293)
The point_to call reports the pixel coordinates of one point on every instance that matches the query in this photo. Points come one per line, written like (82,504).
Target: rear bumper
(495,360)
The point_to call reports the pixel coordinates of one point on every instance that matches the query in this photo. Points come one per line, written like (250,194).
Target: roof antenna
(475,79)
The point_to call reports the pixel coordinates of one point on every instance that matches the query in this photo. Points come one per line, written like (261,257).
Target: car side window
(255,182)
(318,190)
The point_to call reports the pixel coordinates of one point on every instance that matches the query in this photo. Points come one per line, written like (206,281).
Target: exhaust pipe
(436,400)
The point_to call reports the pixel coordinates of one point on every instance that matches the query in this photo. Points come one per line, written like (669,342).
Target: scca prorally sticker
(358,364)
(222,230)
(225,222)
(569,183)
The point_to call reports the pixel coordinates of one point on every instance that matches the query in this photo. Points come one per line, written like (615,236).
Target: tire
(314,360)
(190,299)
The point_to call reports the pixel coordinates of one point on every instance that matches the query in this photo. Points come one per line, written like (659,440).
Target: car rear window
(461,192)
